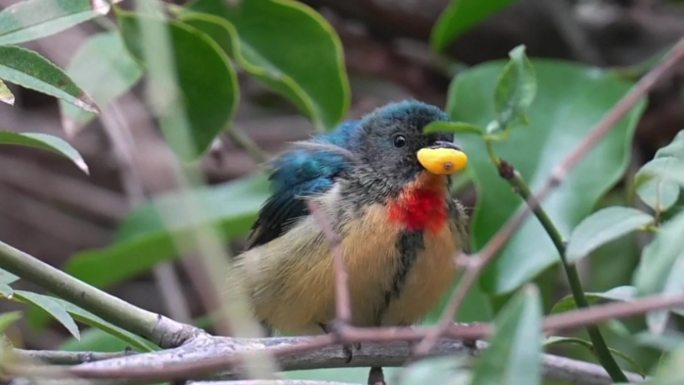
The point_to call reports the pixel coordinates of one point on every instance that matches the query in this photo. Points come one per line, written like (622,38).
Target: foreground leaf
(654,180)
(514,353)
(570,100)
(287,45)
(53,307)
(45,142)
(7,319)
(105,69)
(6,96)
(208,97)
(551,341)
(515,91)
(460,16)
(602,227)
(147,237)
(6,277)
(620,293)
(33,19)
(92,320)
(436,370)
(28,69)
(662,267)
(453,127)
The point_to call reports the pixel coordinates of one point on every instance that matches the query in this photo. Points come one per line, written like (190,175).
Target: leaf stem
(508,172)
(161,330)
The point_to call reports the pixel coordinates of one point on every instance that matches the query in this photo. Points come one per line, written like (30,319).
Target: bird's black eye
(399,141)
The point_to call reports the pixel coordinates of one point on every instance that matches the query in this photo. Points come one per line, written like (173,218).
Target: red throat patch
(421,206)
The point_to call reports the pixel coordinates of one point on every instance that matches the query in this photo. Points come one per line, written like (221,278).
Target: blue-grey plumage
(398,225)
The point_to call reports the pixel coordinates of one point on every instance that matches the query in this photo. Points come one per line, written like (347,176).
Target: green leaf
(90,319)
(514,353)
(288,46)
(620,293)
(33,19)
(460,16)
(6,96)
(654,186)
(45,142)
(674,149)
(602,227)
(552,341)
(95,340)
(436,370)
(662,267)
(671,373)
(6,291)
(571,99)
(453,127)
(105,69)
(7,319)
(50,305)
(146,237)
(6,277)
(656,181)
(28,69)
(209,96)
(514,93)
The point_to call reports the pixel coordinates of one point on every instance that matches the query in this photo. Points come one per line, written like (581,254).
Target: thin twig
(342,301)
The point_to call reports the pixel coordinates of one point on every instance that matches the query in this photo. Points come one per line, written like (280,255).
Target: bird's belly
(292,282)
(430,277)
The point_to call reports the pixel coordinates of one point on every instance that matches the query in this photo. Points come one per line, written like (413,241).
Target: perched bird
(383,186)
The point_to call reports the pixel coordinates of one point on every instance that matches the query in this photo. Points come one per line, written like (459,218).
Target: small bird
(383,186)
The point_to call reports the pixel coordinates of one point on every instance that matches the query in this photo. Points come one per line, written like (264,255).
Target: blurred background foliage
(254,75)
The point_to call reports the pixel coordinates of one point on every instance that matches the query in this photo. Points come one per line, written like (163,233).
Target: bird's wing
(298,174)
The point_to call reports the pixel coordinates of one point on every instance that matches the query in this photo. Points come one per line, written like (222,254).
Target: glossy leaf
(514,352)
(460,16)
(7,319)
(95,340)
(50,305)
(602,227)
(620,293)
(437,370)
(656,181)
(662,267)
(453,127)
(570,100)
(209,97)
(654,187)
(33,19)
(6,277)
(92,320)
(671,373)
(552,341)
(6,291)
(105,69)
(515,91)
(146,236)
(674,149)
(45,142)
(288,46)
(30,70)
(6,96)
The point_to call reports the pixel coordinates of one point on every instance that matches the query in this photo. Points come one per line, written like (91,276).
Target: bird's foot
(347,349)
(376,376)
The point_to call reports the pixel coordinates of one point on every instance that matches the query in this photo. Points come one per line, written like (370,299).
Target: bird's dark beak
(442,158)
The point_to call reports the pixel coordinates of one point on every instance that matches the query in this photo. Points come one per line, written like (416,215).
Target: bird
(383,185)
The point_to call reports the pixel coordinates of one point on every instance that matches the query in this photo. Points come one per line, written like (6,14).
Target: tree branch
(161,330)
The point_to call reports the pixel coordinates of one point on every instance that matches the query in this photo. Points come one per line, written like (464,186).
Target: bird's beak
(442,158)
